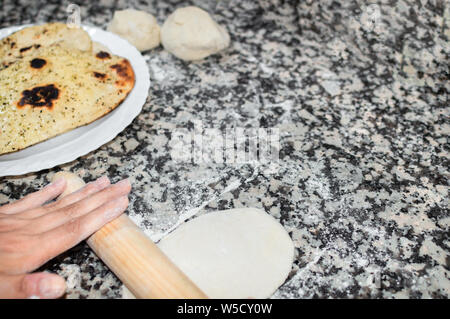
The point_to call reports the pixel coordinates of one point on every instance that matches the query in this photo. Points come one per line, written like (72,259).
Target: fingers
(10,223)
(79,208)
(82,193)
(37,285)
(64,237)
(36,199)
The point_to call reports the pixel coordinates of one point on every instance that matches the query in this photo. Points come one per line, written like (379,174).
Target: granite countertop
(358,94)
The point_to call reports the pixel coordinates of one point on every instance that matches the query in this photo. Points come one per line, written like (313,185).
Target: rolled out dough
(238,253)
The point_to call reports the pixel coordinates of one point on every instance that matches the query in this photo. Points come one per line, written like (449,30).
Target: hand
(33,231)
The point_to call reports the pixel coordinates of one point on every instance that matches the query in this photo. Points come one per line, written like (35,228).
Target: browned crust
(125,73)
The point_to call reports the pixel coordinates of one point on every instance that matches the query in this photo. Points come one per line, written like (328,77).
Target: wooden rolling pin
(144,269)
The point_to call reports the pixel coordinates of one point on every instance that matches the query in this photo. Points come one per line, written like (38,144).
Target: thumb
(37,285)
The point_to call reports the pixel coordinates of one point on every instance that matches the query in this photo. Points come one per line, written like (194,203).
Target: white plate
(80,141)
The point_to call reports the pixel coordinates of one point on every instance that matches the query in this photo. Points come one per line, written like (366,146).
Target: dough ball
(191,34)
(73,182)
(238,253)
(137,27)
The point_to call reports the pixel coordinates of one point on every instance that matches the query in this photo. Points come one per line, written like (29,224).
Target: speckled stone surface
(359,94)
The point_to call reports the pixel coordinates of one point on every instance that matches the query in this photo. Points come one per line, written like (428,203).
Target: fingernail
(50,287)
(119,207)
(102,181)
(58,182)
(123,182)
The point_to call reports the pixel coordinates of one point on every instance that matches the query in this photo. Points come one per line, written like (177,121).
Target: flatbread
(27,40)
(57,89)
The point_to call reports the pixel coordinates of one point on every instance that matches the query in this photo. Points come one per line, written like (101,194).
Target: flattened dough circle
(238,253)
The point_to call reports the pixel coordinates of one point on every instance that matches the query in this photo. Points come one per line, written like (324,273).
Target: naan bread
(26,41)
(57,89)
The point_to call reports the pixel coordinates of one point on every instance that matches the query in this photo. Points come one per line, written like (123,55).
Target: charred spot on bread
(124,71)
(39,96)
(25,49)
(37,63)
(6,64)
(103,55)
(99,75)
(36,46)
